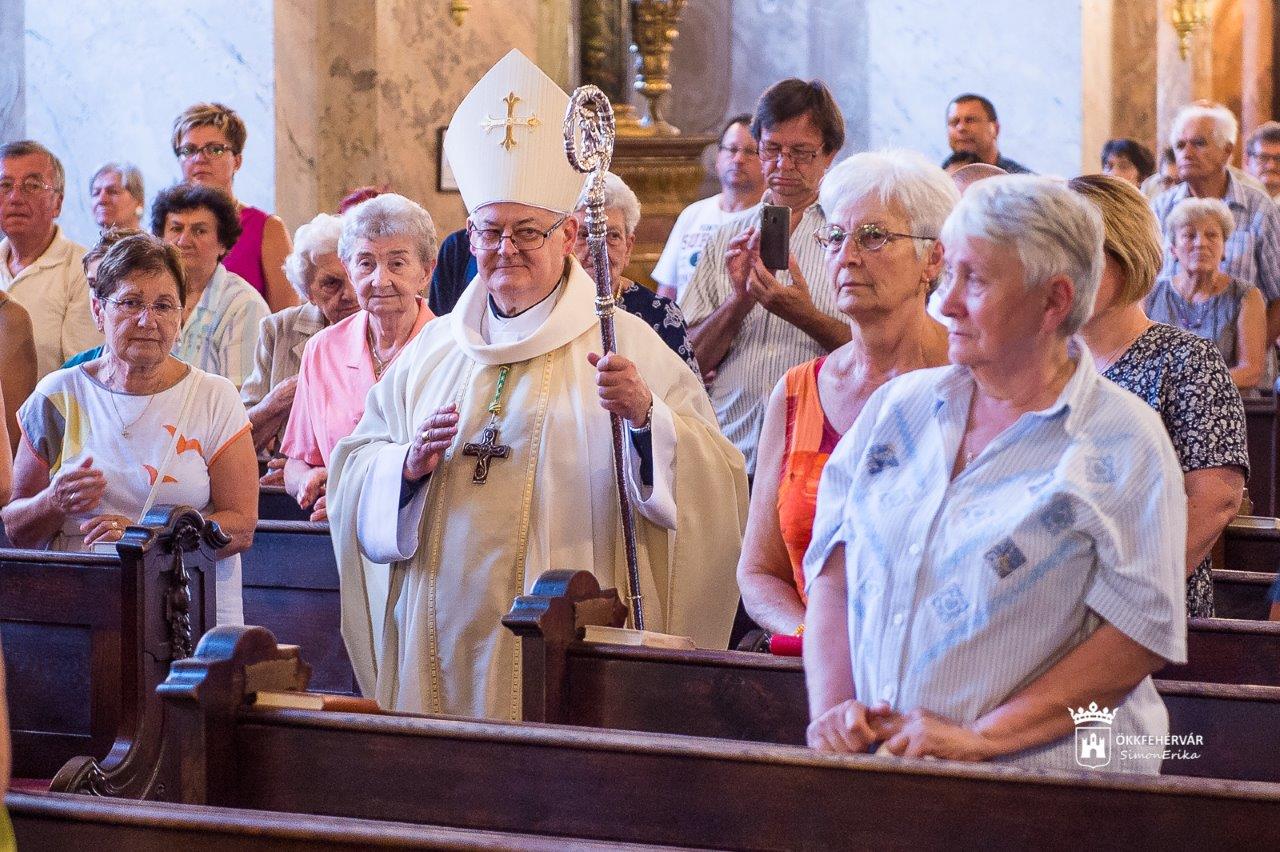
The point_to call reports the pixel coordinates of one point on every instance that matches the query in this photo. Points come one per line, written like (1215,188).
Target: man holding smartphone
(750,324)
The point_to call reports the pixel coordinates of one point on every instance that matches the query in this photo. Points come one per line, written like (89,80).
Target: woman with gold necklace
(388,246)
(108,439)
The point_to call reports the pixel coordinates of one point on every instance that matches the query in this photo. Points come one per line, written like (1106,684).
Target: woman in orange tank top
(885,210)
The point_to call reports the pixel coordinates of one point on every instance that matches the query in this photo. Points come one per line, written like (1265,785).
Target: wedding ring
(426,436)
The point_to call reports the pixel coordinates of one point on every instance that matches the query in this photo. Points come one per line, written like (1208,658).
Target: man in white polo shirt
(741,184)
(40,268)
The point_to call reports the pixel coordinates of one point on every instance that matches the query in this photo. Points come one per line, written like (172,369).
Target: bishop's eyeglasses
(526,238)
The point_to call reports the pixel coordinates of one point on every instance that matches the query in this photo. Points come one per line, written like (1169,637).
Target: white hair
(617,196)
(130,178)
(388,215)
(311,242)
(1225,126)
(1054,230)
(896,178)
(1190,210)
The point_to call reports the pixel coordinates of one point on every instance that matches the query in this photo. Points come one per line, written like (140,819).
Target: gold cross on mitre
(510,122)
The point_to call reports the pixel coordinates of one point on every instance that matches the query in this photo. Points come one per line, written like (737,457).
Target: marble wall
(364,87)
(104,81)
(894,65)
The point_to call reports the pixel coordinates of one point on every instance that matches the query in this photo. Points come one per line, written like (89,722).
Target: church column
(13,85)
(1257,89)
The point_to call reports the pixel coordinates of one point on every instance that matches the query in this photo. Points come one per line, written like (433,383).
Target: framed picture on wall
(445,181)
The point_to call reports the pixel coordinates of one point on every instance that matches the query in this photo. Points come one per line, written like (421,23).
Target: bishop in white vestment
(484,456)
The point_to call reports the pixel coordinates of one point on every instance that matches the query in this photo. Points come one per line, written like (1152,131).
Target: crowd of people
(990,423)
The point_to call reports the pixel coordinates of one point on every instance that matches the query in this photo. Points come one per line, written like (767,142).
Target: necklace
(487,448)
(125,427)
(379,366)
(1110,359)
(1188,317)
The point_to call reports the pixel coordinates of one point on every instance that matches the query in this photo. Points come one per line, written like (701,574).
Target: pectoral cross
(510,122)
(485,451)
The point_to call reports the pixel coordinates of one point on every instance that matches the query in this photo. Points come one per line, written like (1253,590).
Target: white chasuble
(424,586)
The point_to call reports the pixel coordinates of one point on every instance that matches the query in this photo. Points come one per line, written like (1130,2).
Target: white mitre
(506,140)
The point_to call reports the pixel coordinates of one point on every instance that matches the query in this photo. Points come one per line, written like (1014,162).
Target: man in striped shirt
(749,325)
(1203,137)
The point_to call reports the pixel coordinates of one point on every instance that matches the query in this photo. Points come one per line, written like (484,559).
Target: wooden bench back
(290,580)
(736,695)
(88,637)
(613,786)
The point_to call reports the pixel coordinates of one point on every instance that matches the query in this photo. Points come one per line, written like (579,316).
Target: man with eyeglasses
(741,184)
(1263,160)
(40,268)
(749,325)
(1203,135)
(484,455)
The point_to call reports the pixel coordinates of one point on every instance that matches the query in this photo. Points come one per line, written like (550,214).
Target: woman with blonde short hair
(1177,373)
(208,140)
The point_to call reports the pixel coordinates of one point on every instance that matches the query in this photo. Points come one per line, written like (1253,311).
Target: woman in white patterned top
(222,312)
(1003,538)
(105,440)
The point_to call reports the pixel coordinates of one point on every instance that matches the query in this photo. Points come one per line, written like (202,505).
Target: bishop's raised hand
(430,441)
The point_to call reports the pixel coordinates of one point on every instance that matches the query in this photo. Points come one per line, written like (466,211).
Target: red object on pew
(786,646)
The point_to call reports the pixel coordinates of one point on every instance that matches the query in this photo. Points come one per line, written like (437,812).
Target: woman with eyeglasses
(222,313)
(622,211)
(209,140)
(884,258)
(388,245)
(105,441)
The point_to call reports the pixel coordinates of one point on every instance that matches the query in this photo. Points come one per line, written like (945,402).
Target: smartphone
(775,236)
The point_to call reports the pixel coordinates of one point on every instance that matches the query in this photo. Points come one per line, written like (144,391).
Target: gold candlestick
(653,29)
(1187,16)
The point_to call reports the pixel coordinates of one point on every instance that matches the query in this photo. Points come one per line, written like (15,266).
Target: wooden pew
(735,695)
(63,821)
(1252,544)
(1262,439)
(290,580)
(88,637)
(613,786)
(276,504)
(1242,594)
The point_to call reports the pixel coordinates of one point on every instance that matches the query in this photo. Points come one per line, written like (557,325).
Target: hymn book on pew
(638,638)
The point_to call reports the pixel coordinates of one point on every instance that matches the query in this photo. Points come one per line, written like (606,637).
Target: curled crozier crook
(588,143)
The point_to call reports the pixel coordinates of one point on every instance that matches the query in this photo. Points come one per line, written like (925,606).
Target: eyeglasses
(1271,159)
(799,156)
(868,237)
(212,151)
(133,308)
(524,239)
(30,186)
(616,239)
(734,150)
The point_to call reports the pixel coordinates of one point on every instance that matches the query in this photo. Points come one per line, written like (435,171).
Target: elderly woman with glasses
(883,255)
(208,140)
(105,441)
(1001,539)
(1177,373)
(118,197)
(316,272)
(622,212)
(222,312)
(388,246)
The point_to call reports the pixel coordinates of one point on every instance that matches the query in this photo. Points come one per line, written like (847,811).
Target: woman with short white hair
(886,212)
(1003,538)
(622,211)
(316,273)
(388,247)
(1206,301)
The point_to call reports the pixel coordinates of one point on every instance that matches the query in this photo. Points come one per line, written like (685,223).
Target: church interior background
(344,93)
